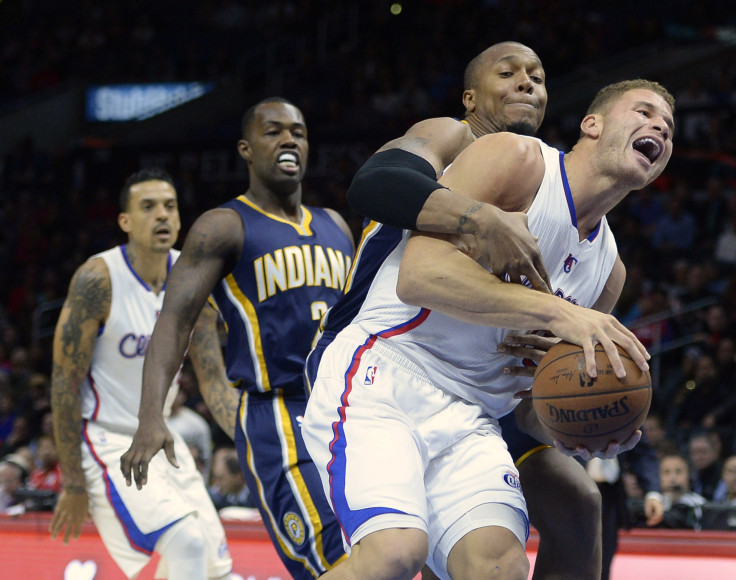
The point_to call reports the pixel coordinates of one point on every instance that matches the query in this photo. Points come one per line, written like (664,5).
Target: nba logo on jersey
(370,375)
(570,261)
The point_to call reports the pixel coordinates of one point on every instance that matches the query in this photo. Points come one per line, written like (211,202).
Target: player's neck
(151,267)
(285,205)
(594,194)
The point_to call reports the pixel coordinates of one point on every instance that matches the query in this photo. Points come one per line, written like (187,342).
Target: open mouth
(649,147)
(288,160)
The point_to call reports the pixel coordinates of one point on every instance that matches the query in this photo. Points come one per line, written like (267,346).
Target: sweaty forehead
(150,189)
(515,54)
(281,113)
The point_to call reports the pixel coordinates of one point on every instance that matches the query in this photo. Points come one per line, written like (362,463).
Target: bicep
(438,141)
(342,224)
(210,251)
(84,312)
(501,169)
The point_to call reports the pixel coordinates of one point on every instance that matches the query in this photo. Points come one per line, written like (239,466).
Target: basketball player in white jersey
(402,417)
(100,341)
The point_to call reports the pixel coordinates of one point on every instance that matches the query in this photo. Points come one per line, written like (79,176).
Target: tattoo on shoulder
(464,218)
(90,293)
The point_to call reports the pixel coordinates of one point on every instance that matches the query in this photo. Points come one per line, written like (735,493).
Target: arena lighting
(136,102)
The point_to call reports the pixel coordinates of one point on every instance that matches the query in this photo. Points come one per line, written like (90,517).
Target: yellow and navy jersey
(376,243)
(272,303)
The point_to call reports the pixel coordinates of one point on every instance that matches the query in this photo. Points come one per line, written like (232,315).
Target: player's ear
(124,221)
(469,100)
(592,125)
(244,149)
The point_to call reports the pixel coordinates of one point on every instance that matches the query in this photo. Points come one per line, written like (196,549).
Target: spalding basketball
(578,410)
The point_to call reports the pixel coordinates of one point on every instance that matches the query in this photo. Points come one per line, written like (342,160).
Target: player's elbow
(411,285)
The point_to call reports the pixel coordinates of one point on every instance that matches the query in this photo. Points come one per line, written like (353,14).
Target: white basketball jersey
(462,358)
(111,393)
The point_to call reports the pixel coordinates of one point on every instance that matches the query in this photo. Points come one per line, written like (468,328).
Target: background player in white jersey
(396,373)
(101,338)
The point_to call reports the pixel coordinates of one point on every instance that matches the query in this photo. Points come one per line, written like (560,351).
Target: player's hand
(653,510)
(587,328)
(528,347)
(613,449)
(69,514)
(148,440)
(507,246)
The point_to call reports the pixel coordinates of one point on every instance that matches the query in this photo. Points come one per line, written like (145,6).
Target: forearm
(435,275)
(398,185)
(67,420)
(205,353)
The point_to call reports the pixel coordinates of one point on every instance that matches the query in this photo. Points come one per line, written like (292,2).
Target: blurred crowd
(677,237)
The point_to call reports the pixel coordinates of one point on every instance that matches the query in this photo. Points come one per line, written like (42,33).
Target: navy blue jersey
(287,276)
(376,243)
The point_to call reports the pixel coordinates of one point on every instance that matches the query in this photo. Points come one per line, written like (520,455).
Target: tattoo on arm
(464,218)
(84,310)
(206,355)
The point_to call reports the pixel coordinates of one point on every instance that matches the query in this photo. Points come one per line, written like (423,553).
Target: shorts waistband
(383,347)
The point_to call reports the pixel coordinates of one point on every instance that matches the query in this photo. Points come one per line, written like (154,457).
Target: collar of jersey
(302,228)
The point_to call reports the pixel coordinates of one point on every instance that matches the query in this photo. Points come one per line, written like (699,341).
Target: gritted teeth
(649,147)
(288,157)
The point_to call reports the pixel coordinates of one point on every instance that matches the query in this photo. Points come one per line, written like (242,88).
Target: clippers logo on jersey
(297,266)
(294,527)
(370,375)
(560,294)
(132,345)
(570,261)
(512,480)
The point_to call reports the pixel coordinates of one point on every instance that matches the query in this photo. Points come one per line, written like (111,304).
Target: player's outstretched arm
(397,187)
(211,248)
(85,309)
(205,353)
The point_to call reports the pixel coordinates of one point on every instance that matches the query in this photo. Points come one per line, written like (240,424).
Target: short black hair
(250,114)
(147,174)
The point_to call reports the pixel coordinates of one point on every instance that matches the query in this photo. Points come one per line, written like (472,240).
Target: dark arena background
(91,91)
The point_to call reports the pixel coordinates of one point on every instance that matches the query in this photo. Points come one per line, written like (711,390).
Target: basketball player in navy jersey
(504,91)
(273,267)
(99,345)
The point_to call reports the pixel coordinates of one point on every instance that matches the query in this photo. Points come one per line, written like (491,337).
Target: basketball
(578,410)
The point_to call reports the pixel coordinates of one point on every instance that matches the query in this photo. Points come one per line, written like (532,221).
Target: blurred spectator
(192,427)
(13,475)
(228,484)
(198,461)
(683,508)
(725,245)
(726,490)
(704,453)
(657,435)
(714,328)
(674,234)
(653,334)
(47,475)
(21,435)
(8,413)
(694,399)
